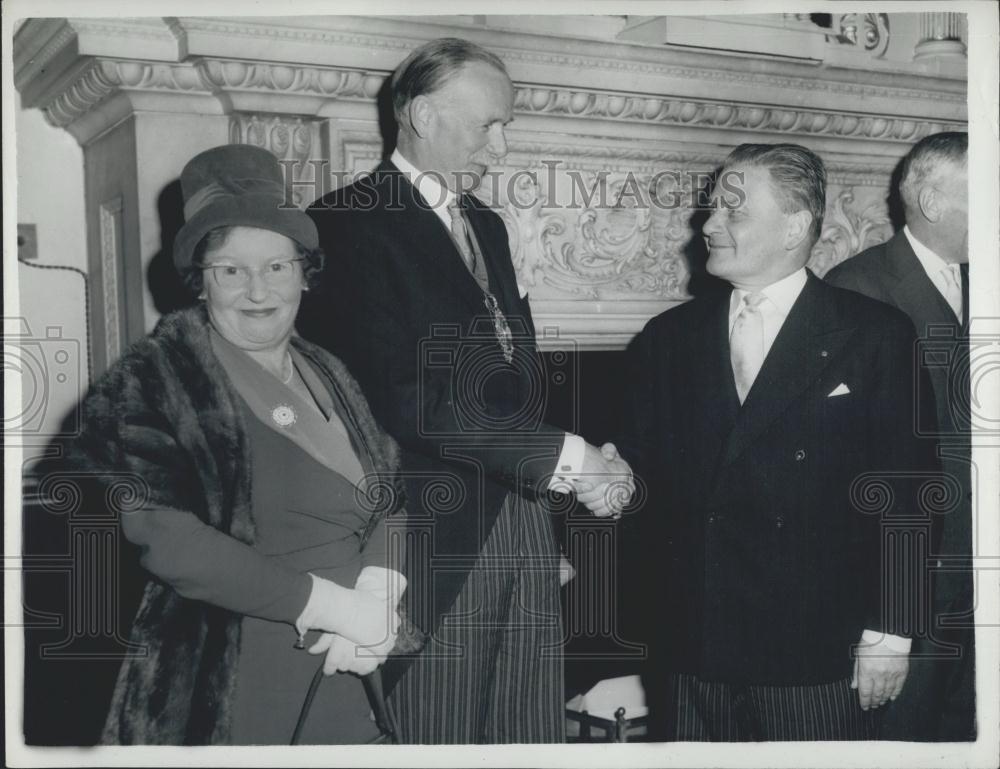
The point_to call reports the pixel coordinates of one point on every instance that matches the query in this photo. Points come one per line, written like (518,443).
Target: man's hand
(879,674)
(566,571)
(605,486)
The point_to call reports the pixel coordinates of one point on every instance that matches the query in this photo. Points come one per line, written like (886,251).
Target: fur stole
(166,418)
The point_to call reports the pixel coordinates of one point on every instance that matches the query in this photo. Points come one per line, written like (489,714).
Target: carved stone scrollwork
(620,244)
(624,235)
(868,31)
(848,231)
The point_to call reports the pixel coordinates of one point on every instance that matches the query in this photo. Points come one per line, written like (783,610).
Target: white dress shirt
(780,297)
(934,265)
(774,309)
(438,197)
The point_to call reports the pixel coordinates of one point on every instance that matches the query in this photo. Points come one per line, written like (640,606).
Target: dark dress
(308,519)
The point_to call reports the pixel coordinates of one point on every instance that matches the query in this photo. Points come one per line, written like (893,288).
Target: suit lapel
(810,338)
(431,242)
(912,290)
(708,377)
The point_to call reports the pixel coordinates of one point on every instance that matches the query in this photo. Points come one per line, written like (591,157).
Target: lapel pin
(823,353)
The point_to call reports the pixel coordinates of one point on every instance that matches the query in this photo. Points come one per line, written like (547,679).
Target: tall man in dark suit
(923,270)
(421,300)
(768,421)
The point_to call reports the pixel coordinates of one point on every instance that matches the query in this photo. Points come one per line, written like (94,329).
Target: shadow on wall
(168,290)
(387,124)
(81,587)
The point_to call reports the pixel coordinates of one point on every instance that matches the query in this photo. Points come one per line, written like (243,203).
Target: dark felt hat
(236,184)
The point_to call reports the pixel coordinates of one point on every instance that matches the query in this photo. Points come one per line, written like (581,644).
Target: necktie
(952,279)
(466,244)
(472,255)
(746,344)
(461,235)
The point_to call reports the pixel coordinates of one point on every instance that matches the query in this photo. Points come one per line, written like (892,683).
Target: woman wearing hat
(263,485)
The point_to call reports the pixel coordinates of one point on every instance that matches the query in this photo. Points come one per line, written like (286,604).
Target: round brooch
(283,415)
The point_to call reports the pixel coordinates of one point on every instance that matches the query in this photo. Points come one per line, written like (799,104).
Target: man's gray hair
(930,157)
(430,66)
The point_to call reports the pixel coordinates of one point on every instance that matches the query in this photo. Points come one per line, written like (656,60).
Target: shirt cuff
(894,643)
(570,464)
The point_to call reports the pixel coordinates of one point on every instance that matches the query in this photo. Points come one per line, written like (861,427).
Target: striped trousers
(493,671)
(717,712)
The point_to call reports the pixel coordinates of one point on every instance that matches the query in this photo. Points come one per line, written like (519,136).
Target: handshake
(604,485)
(359,626)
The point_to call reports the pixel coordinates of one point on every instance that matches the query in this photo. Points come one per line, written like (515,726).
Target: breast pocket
(841,421)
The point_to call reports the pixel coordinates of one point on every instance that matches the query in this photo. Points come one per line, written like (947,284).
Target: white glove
(352,648)
(344,656)
(385,584)
(361,616)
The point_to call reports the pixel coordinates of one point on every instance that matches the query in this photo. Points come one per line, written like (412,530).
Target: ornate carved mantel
(611,143)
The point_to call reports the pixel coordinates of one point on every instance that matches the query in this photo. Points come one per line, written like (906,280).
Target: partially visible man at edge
(923,271)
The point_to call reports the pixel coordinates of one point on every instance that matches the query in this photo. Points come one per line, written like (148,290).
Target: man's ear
(797,228)
(930,202)
(420,112)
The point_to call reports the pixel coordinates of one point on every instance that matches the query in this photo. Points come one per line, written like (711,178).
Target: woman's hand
(360,615)
(343,656)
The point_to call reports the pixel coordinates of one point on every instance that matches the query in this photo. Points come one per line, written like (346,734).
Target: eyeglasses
(276,274)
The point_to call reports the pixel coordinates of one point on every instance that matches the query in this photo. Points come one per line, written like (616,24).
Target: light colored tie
(461,235)
(952,278)
(746,344)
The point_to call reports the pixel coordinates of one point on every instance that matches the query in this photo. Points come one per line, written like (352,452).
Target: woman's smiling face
(260,314)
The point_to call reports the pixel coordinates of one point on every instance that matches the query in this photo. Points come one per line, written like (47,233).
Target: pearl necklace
(291,369)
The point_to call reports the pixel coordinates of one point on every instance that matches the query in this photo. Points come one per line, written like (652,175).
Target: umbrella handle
(373,686)
(307,703)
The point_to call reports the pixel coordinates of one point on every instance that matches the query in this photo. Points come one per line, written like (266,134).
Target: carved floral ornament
(849,227)
(631,237)
(595,223)
(869,31)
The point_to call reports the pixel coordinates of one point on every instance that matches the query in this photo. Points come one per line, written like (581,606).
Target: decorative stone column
(940,36)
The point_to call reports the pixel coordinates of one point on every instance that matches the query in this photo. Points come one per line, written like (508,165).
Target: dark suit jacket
(766,570)
(891,273)
(404,313)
